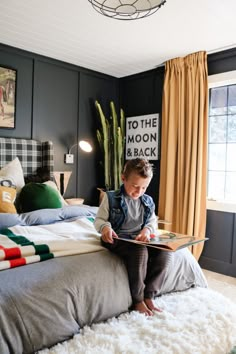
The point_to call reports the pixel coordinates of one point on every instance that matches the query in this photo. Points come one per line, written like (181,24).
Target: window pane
(217,129)
(222,143)
(230,193)
(216,184)
(232,128)
(232,99)
(217,157)
(218,103)
(231,157)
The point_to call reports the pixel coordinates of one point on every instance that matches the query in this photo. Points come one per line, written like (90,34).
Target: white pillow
(54,186)
(14,172)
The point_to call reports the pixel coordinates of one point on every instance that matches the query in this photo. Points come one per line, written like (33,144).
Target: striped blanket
(21,245)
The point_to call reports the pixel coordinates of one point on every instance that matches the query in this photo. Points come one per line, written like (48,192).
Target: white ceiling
(72,31)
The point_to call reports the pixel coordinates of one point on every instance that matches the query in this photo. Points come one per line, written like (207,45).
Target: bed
(48,296)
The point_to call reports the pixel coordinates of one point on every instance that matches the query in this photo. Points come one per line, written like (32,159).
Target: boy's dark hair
(141,167)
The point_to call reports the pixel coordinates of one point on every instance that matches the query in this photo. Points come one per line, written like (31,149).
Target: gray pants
(146,267)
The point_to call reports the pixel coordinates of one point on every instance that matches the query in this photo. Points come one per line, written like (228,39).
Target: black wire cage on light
(127,9)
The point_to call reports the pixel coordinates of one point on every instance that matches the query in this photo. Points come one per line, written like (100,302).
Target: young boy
(130,213)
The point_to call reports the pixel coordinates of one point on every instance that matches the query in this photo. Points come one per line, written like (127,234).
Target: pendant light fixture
(127,9)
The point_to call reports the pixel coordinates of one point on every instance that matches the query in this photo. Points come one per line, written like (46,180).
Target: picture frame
(7,97)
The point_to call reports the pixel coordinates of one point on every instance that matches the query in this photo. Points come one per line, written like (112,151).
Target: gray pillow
(50,216)
(46,216)
(8,220)
(71,211)
(40,217)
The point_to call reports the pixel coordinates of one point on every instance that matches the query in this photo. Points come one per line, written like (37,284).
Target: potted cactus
(111,138)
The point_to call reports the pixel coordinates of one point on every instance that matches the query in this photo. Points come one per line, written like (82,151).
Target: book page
(168,241)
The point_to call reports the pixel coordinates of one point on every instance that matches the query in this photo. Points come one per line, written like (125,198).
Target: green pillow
(34,196)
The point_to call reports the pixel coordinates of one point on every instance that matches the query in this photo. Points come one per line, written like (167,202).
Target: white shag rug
(196,321)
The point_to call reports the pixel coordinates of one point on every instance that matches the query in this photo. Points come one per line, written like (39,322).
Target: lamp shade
(85,146)
(127,9)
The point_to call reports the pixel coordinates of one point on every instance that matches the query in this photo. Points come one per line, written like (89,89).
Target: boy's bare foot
(142,308)
(151,305)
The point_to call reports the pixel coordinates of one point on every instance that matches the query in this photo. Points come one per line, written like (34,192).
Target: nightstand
(75,201)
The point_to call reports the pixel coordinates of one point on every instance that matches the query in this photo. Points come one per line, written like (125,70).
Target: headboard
(31,153)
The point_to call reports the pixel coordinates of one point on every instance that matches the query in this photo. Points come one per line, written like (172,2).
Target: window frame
(217,80)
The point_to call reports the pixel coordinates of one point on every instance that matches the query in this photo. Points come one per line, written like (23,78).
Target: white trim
(227,78)
(221,206)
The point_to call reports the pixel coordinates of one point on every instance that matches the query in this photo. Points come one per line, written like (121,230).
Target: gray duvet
(45,303)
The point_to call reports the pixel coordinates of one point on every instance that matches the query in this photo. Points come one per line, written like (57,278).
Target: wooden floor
(222,283)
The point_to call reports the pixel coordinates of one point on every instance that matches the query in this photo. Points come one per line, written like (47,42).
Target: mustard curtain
(183,175)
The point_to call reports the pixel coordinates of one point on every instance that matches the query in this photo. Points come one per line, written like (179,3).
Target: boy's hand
(108,234)
(144,235)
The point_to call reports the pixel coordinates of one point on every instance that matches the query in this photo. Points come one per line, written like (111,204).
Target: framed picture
(7,97)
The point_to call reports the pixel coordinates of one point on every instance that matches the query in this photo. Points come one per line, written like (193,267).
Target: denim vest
(118,208)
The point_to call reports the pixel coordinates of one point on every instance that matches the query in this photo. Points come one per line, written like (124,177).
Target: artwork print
(142,137)
(7,97)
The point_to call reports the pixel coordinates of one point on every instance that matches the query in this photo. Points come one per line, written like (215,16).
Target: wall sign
(142,137)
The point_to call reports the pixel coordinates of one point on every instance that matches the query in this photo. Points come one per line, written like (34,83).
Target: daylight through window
(222,143)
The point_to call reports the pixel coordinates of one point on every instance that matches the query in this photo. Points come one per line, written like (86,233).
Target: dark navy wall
(104,89)
(222,62)
(141,95)
(55,112)
(219,253)
(55,101)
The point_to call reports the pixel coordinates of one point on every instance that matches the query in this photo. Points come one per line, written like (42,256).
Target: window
(222,139)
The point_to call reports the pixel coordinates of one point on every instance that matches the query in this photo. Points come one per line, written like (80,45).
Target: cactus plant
(111,138)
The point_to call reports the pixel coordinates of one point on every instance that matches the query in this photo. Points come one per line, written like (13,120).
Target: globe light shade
(127,9)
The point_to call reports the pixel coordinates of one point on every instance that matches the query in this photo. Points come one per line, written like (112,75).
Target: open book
(168,241)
